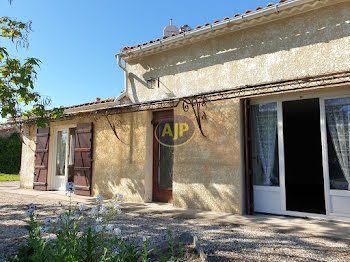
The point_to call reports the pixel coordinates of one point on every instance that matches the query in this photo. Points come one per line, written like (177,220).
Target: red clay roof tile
(98,101)
(207,24)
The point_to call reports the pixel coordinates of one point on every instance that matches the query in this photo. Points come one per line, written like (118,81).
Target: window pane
(338,140)
(61,153)
(264,144)
(71,146)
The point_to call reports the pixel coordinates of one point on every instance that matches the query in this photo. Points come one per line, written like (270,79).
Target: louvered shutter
(41,159)
(83,159)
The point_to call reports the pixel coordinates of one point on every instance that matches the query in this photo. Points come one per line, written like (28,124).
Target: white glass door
(337,156)
(265,160)
(61,174)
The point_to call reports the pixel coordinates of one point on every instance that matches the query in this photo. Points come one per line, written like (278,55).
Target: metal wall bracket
(196,104)
(113,127)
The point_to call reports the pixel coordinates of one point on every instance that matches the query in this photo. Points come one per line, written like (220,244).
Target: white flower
(99,198)
(119,211)
(47,220)
(70,187)
(75,217)
(144,239)
(43,229)
(29,212)
(116,206)
(103,209)
(83,207)
(109,228)
(58,218)
(119,196)
(94,211)
(99,220)
(98,228)
(31,205)
(117,231)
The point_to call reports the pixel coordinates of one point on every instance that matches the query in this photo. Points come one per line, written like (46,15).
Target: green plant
(10,154)
(17,94)
(80,233)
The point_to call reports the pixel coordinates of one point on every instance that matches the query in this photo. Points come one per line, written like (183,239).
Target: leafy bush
(82,234)
(10,154)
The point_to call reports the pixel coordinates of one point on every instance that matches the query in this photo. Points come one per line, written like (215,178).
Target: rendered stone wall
(119,166)
(207,170)
(311,43)
(28,156)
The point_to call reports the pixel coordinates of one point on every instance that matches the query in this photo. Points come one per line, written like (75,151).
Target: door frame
(54,154)
(322,94)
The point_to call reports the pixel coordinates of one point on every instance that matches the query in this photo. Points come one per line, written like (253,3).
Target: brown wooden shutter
(83,159)
(247,159)
(41,159)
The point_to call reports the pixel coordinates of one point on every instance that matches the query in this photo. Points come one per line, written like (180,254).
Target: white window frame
(54,152)
(322,94)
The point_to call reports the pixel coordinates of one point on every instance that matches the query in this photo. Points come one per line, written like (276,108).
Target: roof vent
(170,29)
(185,28)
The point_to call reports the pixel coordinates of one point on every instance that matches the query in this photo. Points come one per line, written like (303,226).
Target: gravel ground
(220,242)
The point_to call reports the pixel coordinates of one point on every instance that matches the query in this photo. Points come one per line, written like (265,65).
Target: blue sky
(76,40)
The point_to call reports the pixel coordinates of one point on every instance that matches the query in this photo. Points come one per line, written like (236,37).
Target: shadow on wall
(284,35)
(208,169)
(118,164)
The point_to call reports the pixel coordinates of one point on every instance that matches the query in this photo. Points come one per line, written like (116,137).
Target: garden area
(10,157)
(49,226)
(9,177)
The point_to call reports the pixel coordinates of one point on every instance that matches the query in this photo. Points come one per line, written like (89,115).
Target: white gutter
(119,59)
(235,20)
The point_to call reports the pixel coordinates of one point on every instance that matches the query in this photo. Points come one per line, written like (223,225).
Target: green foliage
(78,234)
(175,255)
(9,177)
(17,78)
(10,154)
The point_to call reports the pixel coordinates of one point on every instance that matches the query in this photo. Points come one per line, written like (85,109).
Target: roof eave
(213,27)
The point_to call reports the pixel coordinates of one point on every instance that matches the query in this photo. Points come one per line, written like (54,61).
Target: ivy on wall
(10,154)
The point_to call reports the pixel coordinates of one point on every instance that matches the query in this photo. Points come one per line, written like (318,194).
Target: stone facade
(312,43)
(207,171)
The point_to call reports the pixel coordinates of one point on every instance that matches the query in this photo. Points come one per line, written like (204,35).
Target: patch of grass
(9,177)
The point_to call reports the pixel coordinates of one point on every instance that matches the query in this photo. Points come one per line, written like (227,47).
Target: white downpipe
(119,59)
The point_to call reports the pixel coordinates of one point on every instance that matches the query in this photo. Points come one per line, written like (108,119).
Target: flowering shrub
(80,233)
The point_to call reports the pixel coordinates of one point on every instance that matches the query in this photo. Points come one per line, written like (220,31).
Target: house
(260,102)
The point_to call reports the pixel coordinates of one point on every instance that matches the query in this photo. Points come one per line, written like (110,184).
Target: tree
(18,98)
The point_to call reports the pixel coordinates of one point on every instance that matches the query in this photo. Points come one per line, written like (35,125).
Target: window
(264,144)
(61,153)
(338,140)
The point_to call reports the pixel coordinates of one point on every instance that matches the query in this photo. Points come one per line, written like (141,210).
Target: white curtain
(265,117)
(338,122)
